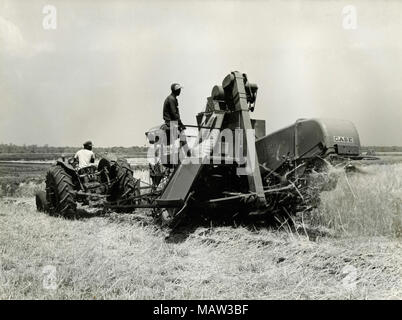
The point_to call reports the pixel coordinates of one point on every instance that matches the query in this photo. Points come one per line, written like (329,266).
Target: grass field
(350,248)
(368,203)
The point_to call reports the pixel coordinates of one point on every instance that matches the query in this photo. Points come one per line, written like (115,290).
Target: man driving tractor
(85,157)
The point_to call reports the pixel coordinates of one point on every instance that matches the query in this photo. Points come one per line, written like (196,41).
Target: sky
(104,71)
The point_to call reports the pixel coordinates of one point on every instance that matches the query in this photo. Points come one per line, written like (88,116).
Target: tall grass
(23,189)
(367,203)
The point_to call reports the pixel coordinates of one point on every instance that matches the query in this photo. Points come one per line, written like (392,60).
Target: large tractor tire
(60,192)
(125,185)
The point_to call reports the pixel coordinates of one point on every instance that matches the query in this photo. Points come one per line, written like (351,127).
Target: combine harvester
(253,174)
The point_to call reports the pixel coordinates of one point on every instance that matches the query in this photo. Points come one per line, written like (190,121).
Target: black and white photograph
(218,151)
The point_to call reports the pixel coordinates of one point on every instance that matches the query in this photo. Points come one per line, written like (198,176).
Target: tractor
(67,185)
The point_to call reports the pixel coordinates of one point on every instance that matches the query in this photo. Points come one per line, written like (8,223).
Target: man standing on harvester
(171,107)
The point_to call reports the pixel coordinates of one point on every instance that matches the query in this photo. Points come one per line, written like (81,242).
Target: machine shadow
(253,223)
(82,213)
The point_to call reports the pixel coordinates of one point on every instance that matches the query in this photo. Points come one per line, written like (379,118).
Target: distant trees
(12,148)
(382,148)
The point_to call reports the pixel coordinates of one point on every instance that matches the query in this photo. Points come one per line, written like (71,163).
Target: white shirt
(84,157)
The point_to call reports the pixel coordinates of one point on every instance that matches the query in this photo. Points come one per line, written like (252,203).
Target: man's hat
(175,86)
(88,143)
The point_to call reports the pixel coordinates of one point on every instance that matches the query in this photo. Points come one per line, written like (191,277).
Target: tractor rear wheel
(59,192)
(126,185)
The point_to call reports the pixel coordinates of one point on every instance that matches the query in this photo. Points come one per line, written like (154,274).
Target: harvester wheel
(41,202)
(167,217)
(59,192)
(171,217)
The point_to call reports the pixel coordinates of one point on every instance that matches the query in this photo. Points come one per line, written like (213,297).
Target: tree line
(382,148)
(12,148)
